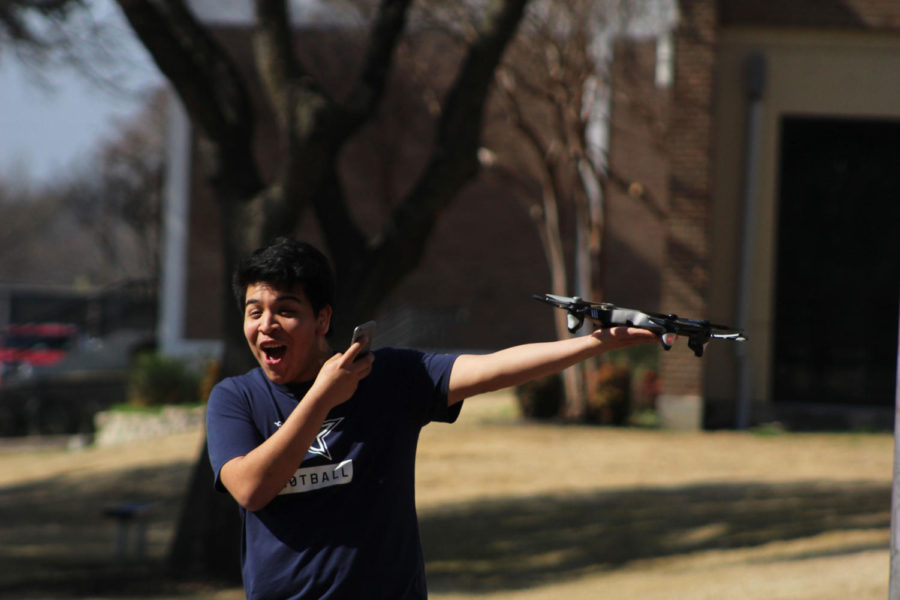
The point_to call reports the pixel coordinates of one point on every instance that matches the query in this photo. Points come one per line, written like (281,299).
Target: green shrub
(629,385)
(541,398)
(157,380)
(609,398)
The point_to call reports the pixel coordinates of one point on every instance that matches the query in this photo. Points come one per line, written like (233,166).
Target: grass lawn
(511,510)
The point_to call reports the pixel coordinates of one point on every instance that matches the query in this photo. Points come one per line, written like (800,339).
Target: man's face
(284,333)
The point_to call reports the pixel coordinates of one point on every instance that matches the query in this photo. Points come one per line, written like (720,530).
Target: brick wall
(637,186)
(874,15)
(679,177)
(686,268)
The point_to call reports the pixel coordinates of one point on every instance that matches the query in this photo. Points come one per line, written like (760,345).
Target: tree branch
(389,24)
(208,84)
(453,163)
(346,242)
(317,126)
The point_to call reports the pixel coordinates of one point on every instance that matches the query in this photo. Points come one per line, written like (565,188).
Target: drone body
(667,327)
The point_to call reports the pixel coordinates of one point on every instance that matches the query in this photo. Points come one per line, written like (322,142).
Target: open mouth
(274,354)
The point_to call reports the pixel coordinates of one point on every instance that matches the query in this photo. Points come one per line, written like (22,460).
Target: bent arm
(255,478)
(477,374)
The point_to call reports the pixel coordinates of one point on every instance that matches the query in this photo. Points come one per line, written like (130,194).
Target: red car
(35,345)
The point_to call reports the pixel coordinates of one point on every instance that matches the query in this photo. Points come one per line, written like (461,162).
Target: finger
(639,332)
(625,331)
(364,363)
(358,369)
(352,352)
(365,366)
(625,337)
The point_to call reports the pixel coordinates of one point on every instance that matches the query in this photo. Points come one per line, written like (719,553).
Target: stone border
(114,427)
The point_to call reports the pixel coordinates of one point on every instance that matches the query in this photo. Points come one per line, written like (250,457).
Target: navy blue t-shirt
(345,526)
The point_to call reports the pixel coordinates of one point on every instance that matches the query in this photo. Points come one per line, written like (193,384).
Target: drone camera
(668,339)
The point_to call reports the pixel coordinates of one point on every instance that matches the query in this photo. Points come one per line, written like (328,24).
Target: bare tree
(18,28)
(314,125)
(547,90)
(97,225)
(123,200)
(542,139)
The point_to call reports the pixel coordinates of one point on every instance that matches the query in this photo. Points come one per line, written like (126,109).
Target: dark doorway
(838,271)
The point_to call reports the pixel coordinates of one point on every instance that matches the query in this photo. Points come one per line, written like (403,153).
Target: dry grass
(538,512)
(514,510)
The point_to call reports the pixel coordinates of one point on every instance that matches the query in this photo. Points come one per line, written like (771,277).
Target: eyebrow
(282,298)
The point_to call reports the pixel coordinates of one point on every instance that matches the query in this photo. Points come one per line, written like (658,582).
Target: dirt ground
(510,510)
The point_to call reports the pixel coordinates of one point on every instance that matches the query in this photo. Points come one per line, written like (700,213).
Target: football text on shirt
(313,478)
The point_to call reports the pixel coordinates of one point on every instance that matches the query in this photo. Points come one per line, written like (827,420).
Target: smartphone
(366,330)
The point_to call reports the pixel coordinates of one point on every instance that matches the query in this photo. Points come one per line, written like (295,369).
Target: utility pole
(755,85)
(895,490)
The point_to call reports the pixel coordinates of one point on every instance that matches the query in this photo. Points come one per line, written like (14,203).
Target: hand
(617,338)
(340,375)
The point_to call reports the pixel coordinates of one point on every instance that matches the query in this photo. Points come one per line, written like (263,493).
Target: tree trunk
(207,539)
(317,125)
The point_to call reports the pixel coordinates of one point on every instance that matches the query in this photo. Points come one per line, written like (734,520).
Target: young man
(318,447)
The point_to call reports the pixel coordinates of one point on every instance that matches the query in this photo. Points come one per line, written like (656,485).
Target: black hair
(286,263)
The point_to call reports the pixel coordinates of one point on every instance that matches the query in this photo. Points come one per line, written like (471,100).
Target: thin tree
(550,88)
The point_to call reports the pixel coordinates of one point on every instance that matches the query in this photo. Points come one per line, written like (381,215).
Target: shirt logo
(316,478)
(320,444)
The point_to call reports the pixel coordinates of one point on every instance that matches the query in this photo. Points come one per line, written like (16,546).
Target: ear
(323,320)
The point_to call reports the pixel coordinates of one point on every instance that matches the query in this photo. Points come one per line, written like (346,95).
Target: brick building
(740,142)
(768,160)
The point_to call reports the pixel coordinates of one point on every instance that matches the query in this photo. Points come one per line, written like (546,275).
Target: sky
(53,117)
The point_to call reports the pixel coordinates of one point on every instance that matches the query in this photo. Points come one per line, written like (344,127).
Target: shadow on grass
(517,544)
(56,543)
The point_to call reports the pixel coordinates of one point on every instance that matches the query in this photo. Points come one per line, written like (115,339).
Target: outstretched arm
(476,374)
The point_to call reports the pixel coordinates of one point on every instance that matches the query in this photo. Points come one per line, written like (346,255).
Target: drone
(668,327)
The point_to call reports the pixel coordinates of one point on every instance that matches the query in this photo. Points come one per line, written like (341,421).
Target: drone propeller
(576,308)
(567,302)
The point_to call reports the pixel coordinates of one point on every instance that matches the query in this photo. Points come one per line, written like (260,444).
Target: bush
(609,399)
(541,398)
(157,380)
(623,388)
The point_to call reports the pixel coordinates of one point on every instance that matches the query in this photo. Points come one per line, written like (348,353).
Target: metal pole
(175,234)
(895,490)
(755,80)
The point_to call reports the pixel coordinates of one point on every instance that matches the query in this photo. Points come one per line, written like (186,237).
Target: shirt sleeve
(438,368)
(230,429)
